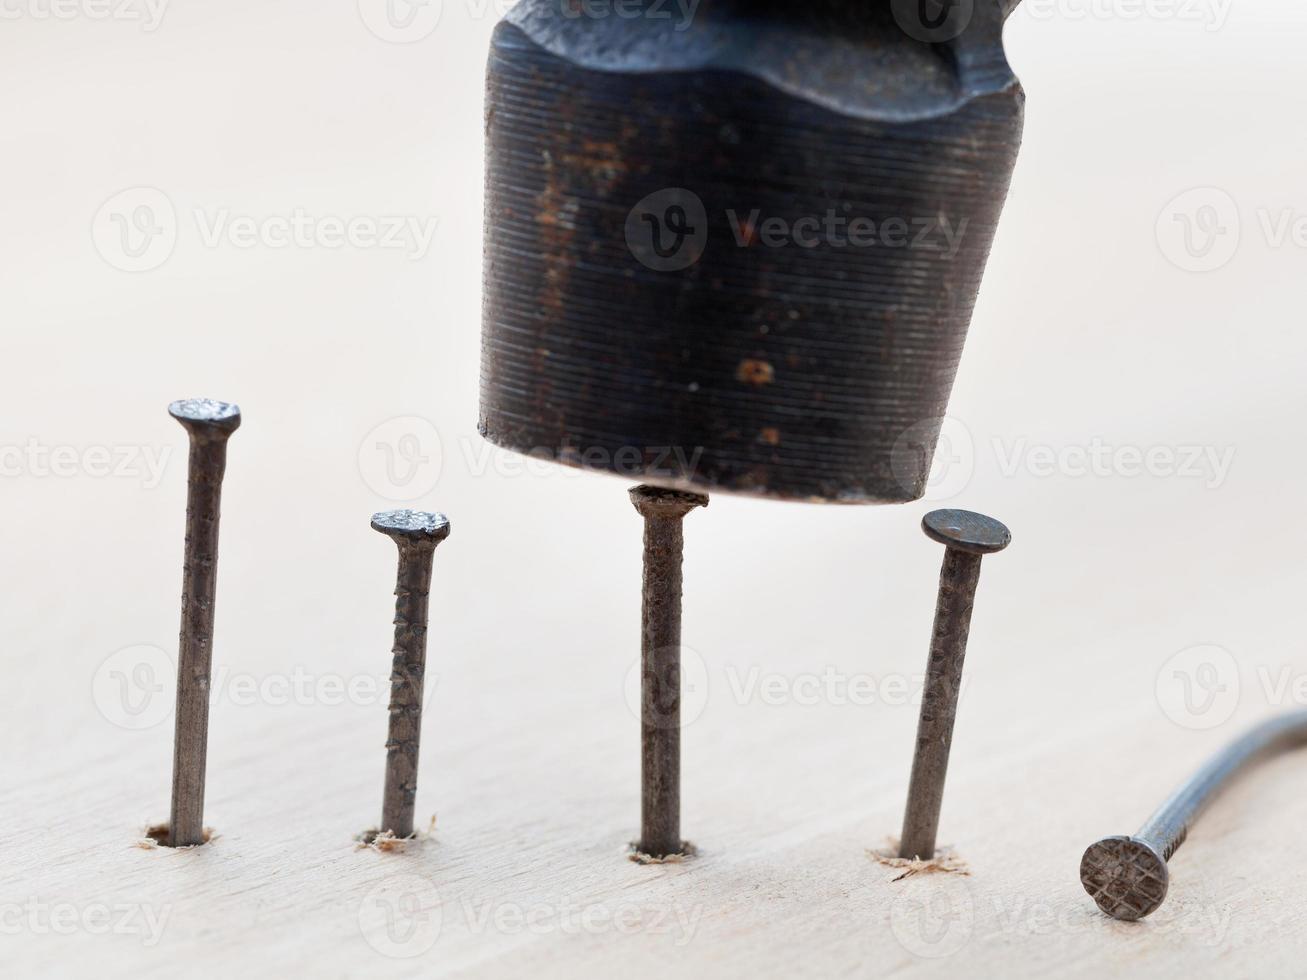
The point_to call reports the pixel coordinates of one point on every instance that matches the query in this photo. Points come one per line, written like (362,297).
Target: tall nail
(967,538)
(209,424)
(660,661)
(416,534)
(1128,877)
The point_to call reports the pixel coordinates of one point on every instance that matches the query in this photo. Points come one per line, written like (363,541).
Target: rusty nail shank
(967,538)
(660,660)
(209,424)
(416,534)
(1128,877)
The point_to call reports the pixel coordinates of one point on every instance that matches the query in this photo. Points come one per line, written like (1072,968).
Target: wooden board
(810,624)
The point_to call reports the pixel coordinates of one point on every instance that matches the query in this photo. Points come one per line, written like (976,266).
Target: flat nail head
(207,413)
(1125,876)
(661,502)
(963,530)
(412,525)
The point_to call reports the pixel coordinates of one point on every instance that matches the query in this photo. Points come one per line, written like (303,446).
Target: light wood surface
(1085,335)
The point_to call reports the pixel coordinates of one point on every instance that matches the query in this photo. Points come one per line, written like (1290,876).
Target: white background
(1093,329)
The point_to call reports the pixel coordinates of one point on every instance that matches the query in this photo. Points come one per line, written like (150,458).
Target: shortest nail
(967,537)
(416,534)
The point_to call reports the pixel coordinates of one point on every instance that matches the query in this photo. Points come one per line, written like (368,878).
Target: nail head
(964,530)
(414,524)
(1125,877)
(662,502)
(206,412)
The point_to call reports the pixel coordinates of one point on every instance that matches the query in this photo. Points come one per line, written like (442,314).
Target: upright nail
(1128,877)
(660,661)
(209,424)
(967,538)
(416,534)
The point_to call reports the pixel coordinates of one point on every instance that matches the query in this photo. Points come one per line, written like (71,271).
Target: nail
(416,534)
(1128,876)
(967,538)
(209,424)
(660,662)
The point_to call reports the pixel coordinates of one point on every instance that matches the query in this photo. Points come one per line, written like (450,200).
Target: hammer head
(737,250)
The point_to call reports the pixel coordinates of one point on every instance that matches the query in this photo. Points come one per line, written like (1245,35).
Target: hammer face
(713,261)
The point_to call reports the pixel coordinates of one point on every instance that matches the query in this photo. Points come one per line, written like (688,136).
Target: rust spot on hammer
(752,371)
